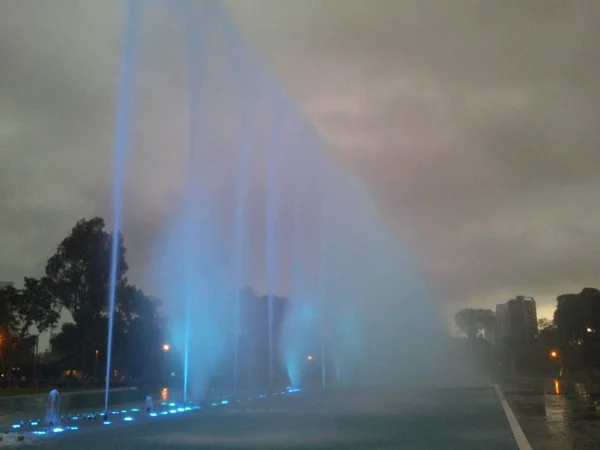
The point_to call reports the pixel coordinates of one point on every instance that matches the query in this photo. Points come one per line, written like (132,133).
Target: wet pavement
(332,419)
(556,415)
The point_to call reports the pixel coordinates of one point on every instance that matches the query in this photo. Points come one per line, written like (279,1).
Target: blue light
(124,411)
(180,410)
(74,428)
(171,404)
(164,413)
(172,411)
(153,414)
(188,408)
(15,426)
(75,417)
(58,430)
(135,410)
(106,422)
(128,419)
(214,404)
(34,424)
(39,433)
(224,402)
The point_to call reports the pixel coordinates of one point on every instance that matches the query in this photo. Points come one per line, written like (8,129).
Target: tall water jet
(323,268)
(120,151)
(304,326)
(194,50)
(243,156)
(275,152)
(240,66)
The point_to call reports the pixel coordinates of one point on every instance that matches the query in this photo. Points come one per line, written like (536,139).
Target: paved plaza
(556,415)
(340,419)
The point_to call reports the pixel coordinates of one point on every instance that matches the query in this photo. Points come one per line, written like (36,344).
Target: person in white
(53,408)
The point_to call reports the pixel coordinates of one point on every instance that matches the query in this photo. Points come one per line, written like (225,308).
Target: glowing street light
(309,357)
(166,348)
(96,353)
(553,354)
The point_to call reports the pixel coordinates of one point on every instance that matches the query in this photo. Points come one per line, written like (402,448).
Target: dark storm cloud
(473,123)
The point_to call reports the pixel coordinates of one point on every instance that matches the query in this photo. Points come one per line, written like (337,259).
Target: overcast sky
(475,124)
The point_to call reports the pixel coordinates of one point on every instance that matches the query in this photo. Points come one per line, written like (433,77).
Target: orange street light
(166,347)
(553,354)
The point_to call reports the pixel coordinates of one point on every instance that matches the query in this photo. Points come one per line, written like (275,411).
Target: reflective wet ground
(332,419)
(556,414)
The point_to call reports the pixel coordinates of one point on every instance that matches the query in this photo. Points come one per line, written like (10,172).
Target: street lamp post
(96,364)
(166,349)
(554,355)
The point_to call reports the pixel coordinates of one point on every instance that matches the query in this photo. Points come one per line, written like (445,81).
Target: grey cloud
(473,123)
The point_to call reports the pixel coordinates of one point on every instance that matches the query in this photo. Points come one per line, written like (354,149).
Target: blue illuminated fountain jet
(253,197)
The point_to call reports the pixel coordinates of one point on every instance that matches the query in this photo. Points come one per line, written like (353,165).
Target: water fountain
(256,199)
(121,147)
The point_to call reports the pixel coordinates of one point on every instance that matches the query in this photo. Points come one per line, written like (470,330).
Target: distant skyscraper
(517,318)
(502,322)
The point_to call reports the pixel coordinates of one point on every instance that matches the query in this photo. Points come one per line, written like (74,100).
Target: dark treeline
(77,280)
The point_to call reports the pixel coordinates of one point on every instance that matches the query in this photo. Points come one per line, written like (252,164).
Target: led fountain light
(127,416)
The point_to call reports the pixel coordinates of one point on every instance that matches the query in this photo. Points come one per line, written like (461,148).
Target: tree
(140,351)
(62,344)
(545,324)
(36,306)
(472,321)
(577,319)
(8,319)
(79,273)
(21,310)
(80,269)
(548,338)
